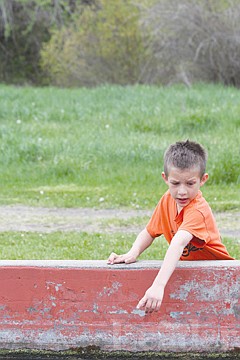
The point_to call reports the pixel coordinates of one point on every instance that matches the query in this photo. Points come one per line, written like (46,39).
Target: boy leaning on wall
(183,216)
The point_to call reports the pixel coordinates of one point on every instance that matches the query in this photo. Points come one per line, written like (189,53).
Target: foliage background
(91,42)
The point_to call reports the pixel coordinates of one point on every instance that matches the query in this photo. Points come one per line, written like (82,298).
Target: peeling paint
(120,311)
(206,291)
(183,292)
(112,290)
(236,311)
(199,312)
(138,312)
(32,310)
(179,314)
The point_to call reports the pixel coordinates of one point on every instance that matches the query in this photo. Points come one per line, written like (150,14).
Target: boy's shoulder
(199,201)
(198,205)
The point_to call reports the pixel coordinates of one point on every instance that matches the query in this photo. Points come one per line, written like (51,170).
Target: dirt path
(45,220)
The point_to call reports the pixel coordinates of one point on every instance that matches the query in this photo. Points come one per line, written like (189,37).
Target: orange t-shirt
(197,219)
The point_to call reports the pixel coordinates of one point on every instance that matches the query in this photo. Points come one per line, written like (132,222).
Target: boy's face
(184,184)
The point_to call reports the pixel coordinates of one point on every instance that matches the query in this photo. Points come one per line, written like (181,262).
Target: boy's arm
(153,297)
(142,242)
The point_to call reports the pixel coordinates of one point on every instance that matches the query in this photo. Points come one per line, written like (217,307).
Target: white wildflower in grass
(41,192)
(18,121)
(101,199)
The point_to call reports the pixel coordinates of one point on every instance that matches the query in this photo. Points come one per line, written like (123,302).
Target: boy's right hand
(127,258)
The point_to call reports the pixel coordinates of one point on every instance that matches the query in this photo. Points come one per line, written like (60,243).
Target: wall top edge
(102,264)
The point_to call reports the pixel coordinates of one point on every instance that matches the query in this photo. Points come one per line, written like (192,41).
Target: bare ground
(46,220)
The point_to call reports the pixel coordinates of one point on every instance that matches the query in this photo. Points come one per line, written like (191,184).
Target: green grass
(103,147)
(80,246)
(99,147)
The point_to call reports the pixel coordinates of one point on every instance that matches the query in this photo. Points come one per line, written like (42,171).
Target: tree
(24,26)
(103,45)
(194,40)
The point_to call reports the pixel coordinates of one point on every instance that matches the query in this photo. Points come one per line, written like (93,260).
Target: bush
(103,45)
(24,26)
(194,40)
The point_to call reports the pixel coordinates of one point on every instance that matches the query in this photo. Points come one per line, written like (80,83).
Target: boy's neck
(179,209)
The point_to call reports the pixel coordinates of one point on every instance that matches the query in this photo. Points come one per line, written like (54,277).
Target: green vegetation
(87,43)
(103,148)
(94,353)
(80,246)
(103,45)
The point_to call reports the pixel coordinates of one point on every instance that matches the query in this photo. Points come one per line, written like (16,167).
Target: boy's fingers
(152,306)
(119,259)
(112,257)
(149,305)
(116,259)
(159,303)
(142,302)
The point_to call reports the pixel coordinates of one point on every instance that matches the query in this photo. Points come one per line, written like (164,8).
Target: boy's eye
(190,183)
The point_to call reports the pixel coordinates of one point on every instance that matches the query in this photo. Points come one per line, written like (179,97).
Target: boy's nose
(182,191)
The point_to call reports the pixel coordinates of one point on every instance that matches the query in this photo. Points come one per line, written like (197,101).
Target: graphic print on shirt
(190,247)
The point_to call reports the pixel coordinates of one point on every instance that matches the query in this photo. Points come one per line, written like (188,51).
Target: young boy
(183,216)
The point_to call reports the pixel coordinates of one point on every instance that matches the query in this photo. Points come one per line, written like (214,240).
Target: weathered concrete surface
(59,305)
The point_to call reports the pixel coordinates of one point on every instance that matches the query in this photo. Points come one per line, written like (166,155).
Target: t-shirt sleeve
(194,222)
(154,226)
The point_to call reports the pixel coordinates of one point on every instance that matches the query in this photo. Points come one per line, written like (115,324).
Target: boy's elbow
(182,238)
(147,235)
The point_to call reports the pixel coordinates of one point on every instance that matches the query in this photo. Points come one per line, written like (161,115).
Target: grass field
(81,246)
(103,147)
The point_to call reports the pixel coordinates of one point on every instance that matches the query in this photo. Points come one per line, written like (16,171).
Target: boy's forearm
(170,261)
(142,242)
(171,258)
(152,299)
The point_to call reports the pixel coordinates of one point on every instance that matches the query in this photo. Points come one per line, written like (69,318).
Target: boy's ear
(164,177)
(204,179)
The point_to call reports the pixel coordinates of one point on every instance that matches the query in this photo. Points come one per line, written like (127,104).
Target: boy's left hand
(152,299)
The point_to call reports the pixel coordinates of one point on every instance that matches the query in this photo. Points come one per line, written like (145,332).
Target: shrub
(24,26)
(103,45)
(194,40)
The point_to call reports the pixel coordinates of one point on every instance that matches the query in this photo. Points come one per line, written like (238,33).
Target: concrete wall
(58,305)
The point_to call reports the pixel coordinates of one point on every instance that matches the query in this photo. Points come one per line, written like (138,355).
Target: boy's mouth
(182,201)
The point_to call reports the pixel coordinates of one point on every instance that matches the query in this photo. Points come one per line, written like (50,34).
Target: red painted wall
(68,304)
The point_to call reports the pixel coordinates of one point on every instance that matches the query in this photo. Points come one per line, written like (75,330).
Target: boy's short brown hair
(185,155)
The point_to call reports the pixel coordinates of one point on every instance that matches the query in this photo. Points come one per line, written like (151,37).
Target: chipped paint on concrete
(112,290)
(138,312)
(179,314)
(120,311)
(58,308)
(183,292)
